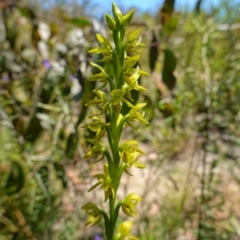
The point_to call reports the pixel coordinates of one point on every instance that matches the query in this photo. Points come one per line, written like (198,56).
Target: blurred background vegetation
(191,187)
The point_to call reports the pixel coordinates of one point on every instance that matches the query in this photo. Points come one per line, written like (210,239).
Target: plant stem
(114,135)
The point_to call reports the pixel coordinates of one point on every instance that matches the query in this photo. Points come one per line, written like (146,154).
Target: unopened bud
(127,18)
(110,22)
(117,14)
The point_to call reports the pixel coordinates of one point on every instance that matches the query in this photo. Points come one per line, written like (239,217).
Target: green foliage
(40,82)
(191,188)
(169,66)
(15,180)
(153,52)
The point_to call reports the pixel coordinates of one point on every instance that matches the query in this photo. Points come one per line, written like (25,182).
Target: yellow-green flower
(129,153)
(104,48)
(132,74)
(100,99)
(134,115)
(117,99)
(94,213)
(133,44)
(98,126)
(101,77)
(96,150)
(123,232)
(105,181)
(129,203)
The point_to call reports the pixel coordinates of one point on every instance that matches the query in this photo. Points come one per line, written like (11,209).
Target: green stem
(112,214)
(114,134)
(120,171)
(114,137)
(111,83)
(118,55)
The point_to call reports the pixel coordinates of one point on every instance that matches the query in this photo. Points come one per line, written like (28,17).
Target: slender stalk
(127,152)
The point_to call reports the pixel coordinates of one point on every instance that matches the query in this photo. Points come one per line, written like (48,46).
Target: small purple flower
(71,78)
(46,64)
(97,237)
(5,78)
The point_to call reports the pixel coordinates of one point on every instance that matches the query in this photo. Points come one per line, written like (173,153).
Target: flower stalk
(123,56)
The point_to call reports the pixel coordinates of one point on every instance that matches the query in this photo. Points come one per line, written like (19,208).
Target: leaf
(15,181)
(72,143)
(171,25)
(169,79)
(170,60)
(27,12)
(166,11)
(78,22)
(169,66)
(153,52)
(60,172)
(34,130)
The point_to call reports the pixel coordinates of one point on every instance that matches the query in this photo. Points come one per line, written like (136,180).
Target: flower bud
(124,231)
(110,22)
(124,228)
(129,203)
(127,18)
(94,213)
(117,14)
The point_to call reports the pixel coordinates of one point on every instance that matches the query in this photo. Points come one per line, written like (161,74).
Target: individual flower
(97,126)
(46,64)
(97,237)
(131,76)
(129,153)
(104,48)
(105,181)
(117,98)
(134,115)
(133,44)
(129,203)
(96,150)
(100,99)
(123,232)
(99,77)
(95,214)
